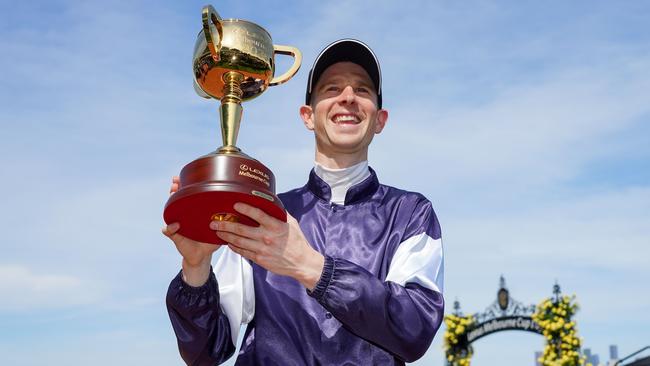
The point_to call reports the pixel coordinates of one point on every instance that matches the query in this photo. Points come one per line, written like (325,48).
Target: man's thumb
(171,229)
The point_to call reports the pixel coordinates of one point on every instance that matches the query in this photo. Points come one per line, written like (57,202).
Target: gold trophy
(233,62)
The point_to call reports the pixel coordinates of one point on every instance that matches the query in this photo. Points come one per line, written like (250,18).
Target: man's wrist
(312,270)
(197,275)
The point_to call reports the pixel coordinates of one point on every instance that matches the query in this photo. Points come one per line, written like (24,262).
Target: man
(353,277)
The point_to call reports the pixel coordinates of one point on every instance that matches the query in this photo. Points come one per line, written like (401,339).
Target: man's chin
(349,146)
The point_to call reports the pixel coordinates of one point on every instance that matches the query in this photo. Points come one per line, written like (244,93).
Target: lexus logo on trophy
(233,62)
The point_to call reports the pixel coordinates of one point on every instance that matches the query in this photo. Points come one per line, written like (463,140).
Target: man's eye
(332,88)
(362,90)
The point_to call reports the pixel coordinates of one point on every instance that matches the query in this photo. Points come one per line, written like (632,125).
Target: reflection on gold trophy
(233,62)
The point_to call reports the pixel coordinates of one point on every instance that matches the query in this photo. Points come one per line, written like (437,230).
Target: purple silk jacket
(373,305)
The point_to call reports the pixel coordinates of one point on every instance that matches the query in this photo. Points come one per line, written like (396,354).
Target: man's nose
(347,95)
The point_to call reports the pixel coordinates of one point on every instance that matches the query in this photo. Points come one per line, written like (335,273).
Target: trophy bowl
(234,61)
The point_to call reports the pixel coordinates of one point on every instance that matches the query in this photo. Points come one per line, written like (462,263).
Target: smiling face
(343,115)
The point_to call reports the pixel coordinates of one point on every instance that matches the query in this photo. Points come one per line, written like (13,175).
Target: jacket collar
(357,193)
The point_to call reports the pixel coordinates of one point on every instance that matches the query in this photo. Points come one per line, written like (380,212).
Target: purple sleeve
(202,329)
(402,320)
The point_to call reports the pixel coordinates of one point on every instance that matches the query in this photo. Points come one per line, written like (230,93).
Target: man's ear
(307,115)
(382,118)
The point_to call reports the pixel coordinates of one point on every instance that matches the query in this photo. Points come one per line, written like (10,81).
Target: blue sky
(526,123)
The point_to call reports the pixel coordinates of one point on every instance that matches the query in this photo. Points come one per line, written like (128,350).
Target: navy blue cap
(350,50)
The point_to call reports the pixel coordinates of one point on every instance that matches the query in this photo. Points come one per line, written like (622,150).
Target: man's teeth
(338,119)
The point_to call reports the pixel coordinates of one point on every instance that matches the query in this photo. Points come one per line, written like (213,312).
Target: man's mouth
(346,119)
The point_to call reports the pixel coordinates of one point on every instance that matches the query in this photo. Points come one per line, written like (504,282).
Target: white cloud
(526,137)
(26,289)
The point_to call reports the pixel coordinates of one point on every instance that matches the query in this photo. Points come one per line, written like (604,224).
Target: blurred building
(591,358)
(613,355)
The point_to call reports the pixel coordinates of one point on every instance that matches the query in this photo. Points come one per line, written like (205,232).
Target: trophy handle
(211,17)
(297,61)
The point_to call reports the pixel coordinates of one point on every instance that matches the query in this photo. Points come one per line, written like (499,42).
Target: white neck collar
(340,180)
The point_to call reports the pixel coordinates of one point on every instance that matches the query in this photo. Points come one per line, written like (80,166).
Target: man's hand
(197,256)
(278,246)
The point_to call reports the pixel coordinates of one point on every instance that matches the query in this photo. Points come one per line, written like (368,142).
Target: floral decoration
(555,317)
(458,354)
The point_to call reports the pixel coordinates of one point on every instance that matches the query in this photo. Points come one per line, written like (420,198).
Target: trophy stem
(230,111)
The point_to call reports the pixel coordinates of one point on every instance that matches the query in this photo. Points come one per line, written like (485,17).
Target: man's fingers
(243,252)
(240,241)
(171,229)
(236,228)
(258,215)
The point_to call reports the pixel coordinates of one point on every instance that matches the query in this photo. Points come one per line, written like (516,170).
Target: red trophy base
(211,185)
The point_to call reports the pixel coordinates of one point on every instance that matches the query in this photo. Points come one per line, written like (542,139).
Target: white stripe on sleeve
(418,259)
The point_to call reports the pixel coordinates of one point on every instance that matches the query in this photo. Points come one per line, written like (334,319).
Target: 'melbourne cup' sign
(505,323)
